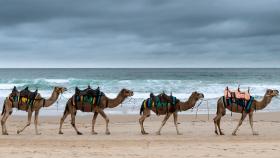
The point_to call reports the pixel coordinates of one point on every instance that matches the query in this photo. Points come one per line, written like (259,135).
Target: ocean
(181,82)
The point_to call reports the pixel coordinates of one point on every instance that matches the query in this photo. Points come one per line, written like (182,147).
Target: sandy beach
(198,139)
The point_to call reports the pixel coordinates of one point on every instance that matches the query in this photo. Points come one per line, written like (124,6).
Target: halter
(202,100)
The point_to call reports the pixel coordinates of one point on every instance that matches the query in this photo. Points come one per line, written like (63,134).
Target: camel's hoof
(157,133)
(179,134)
(94,133)
(221,133)
(255,133)
(18,132)
(5,133)
(144,133)
(217,132)
(107,133)
(79,133)
(38,133)
(234,134)
(60,132)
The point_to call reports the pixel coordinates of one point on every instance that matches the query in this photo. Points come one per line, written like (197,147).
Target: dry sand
(198,139)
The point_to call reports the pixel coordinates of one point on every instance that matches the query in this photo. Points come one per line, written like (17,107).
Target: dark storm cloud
(139,33)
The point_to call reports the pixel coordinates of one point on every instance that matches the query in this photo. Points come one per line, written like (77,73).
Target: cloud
(148,33)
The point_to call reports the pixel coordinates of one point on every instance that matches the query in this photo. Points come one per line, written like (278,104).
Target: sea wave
(182,89)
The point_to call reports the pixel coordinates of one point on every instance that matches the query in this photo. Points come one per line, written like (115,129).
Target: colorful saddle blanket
(23,99)
(158,102)
(86,99)
(241,104)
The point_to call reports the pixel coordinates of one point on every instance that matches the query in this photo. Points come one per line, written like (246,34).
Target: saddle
(15,92)
(88,91)
(84,100)
(23,98)
(242,100)
(27,93)
(159,102)
(237,94)
(82,92)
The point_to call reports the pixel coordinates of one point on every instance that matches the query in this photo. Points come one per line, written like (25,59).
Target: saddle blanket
(241,104)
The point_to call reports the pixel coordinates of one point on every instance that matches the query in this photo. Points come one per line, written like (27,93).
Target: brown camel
(169,110)
(256,105)
(105,102)
(39,102)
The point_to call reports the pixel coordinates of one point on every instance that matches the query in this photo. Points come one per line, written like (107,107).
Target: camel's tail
(142,108)
(3,108)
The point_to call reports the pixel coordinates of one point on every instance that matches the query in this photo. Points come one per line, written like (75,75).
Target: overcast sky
(139,33)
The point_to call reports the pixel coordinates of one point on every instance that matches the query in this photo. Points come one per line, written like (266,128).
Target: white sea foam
(182,89)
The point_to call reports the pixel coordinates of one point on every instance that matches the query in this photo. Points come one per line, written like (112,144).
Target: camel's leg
(73,115)
(36,122)
(93,122)
(175,115)
(142,119)
(163,123)
(28,122)
(219,126)
(216,122)
(62,120)
(107,121)
(7,111)
(251,123)
(3,123)
(243,116)
(221,111)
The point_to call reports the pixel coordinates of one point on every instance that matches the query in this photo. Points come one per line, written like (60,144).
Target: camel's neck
(116,101)
(187,104)
(51,99)
(259,105)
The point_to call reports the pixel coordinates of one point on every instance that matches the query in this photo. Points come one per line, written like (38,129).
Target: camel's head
(197,95)
(60,89)
(272,93)
(126,92)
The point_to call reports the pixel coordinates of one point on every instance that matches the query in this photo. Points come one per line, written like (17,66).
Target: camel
(38,103)
(256,105)
(168,111)
(105,102)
